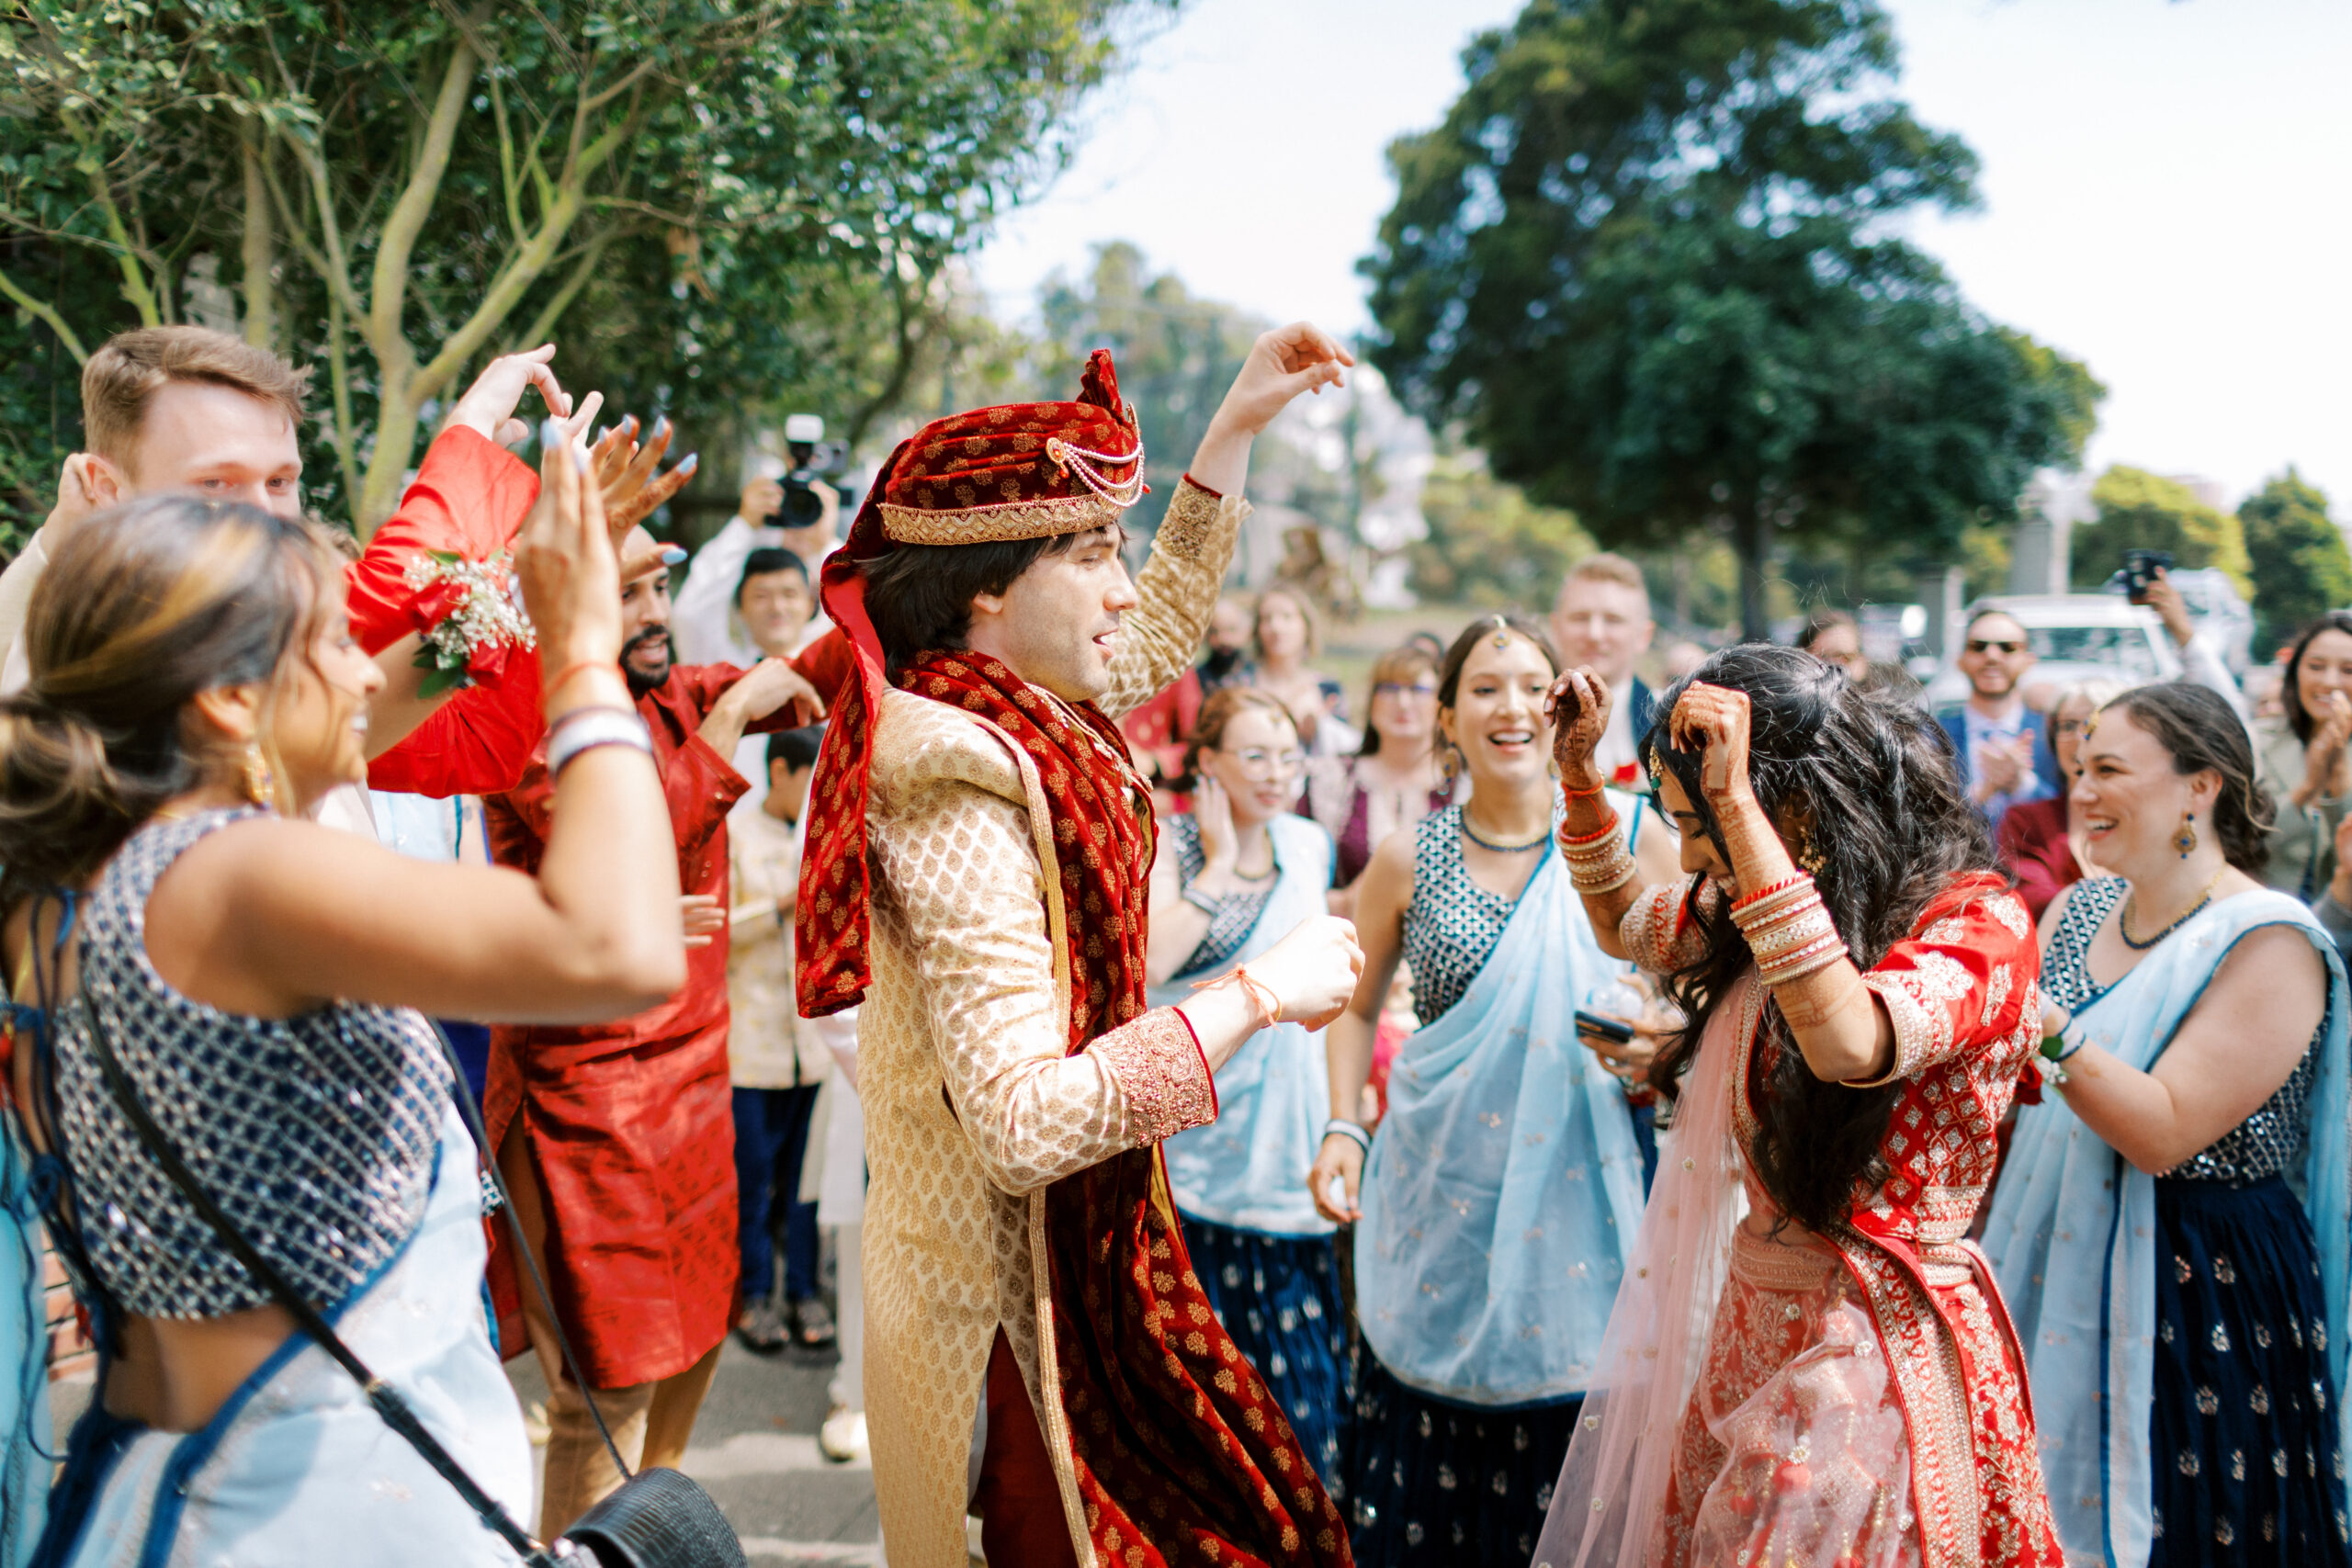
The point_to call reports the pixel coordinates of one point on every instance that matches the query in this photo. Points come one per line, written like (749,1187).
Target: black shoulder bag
(659,1519)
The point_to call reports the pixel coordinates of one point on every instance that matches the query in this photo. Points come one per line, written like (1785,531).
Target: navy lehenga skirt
(1279,1297)
(2247,1467)
(1437,1483)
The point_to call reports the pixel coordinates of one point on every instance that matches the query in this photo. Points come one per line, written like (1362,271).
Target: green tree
(718,205)
(2295,555)
(1488,545)
(1644,261)
(2139,511)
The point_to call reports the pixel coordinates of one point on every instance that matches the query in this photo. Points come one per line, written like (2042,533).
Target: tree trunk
(396,422)
(1752,538)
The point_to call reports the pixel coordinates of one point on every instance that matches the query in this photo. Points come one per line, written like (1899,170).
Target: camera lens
(802,508)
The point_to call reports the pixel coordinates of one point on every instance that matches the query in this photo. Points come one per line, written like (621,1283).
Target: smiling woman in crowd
(2179,1274)
(2300,759)
(1394,779)
(1505,1179)
(1234,875)
(179,939)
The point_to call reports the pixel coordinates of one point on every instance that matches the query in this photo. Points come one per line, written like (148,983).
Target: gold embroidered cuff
(1197,521)
(1000,520)
(1914,1030)
(1162,1074)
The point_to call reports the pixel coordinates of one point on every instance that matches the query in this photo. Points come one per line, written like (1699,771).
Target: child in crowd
(775,1059)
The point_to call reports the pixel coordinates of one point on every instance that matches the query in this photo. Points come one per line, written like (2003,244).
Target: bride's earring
(2184,838)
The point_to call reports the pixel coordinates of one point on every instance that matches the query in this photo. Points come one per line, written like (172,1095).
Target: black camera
(2140,568)
(803,507)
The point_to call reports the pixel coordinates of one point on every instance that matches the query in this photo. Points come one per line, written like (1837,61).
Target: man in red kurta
(617,1140)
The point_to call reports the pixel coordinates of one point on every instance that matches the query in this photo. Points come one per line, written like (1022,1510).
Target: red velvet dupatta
(1182,1455)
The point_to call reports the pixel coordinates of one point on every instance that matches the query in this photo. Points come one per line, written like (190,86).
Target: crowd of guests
(2168,1227)
(1623,1214)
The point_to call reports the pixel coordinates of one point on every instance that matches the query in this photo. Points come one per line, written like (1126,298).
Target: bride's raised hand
(1576,707)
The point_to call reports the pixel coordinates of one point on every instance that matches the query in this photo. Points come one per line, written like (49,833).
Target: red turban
(1015,471)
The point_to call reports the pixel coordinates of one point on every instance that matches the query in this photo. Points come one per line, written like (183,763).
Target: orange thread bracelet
(1263,1000)
(1568,794)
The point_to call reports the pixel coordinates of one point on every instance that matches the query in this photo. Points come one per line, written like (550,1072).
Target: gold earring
(261,785)
(2184,838)
(1807,855)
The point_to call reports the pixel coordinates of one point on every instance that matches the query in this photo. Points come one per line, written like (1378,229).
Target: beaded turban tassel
(1019,470)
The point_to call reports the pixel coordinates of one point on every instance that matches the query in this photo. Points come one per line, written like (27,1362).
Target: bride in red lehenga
(1808,1365)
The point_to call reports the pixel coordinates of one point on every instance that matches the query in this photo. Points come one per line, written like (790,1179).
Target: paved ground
(755,1449)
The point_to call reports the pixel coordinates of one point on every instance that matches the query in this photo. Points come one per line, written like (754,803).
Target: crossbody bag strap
(380,1395)
(463,1093)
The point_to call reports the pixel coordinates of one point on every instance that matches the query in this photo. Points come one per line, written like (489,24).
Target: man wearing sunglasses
(2004,759)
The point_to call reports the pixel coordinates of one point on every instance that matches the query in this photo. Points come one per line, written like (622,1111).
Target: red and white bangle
(1599,862)
(1789,929)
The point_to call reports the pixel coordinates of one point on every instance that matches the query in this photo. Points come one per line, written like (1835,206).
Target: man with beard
(617,1139)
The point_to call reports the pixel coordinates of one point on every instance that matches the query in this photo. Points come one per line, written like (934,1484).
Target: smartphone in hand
(1615,1030)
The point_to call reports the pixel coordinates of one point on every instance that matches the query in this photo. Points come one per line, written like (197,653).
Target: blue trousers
(771,1141)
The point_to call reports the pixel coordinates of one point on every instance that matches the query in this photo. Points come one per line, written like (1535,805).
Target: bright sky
(2167,191)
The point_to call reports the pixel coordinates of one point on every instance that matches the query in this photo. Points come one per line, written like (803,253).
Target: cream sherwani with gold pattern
(972,1108)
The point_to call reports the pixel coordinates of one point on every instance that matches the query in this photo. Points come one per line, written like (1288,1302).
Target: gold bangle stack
(1790,930)
(1599,862)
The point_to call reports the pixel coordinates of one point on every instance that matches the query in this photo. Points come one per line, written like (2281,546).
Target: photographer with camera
(2147,579)
(794,508)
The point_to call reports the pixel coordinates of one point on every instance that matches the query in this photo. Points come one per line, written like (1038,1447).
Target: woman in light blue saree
(258,978)
(1233,876)
(2173,1226)
(1505,1181)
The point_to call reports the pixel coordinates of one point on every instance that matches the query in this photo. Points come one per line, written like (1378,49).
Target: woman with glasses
(1236,875)
(1493,1204)
(1393,780)
(2041,843)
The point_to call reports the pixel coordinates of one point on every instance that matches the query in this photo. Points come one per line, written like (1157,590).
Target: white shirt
(703,626)
(1617,750)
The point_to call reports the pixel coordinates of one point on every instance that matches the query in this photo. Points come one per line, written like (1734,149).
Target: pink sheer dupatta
(1608,1504)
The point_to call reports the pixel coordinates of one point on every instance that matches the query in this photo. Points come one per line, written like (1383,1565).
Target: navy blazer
(2045,762)
(1645,706)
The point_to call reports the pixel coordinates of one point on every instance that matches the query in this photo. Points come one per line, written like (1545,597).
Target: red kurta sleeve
(826,663)
(470,497)
(1961,980)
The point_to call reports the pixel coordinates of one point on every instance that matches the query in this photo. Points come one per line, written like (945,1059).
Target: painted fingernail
(672,555)
(686,464)
(580,460)
(550,432)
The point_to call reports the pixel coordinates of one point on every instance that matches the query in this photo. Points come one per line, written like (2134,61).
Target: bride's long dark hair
(1864,781)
